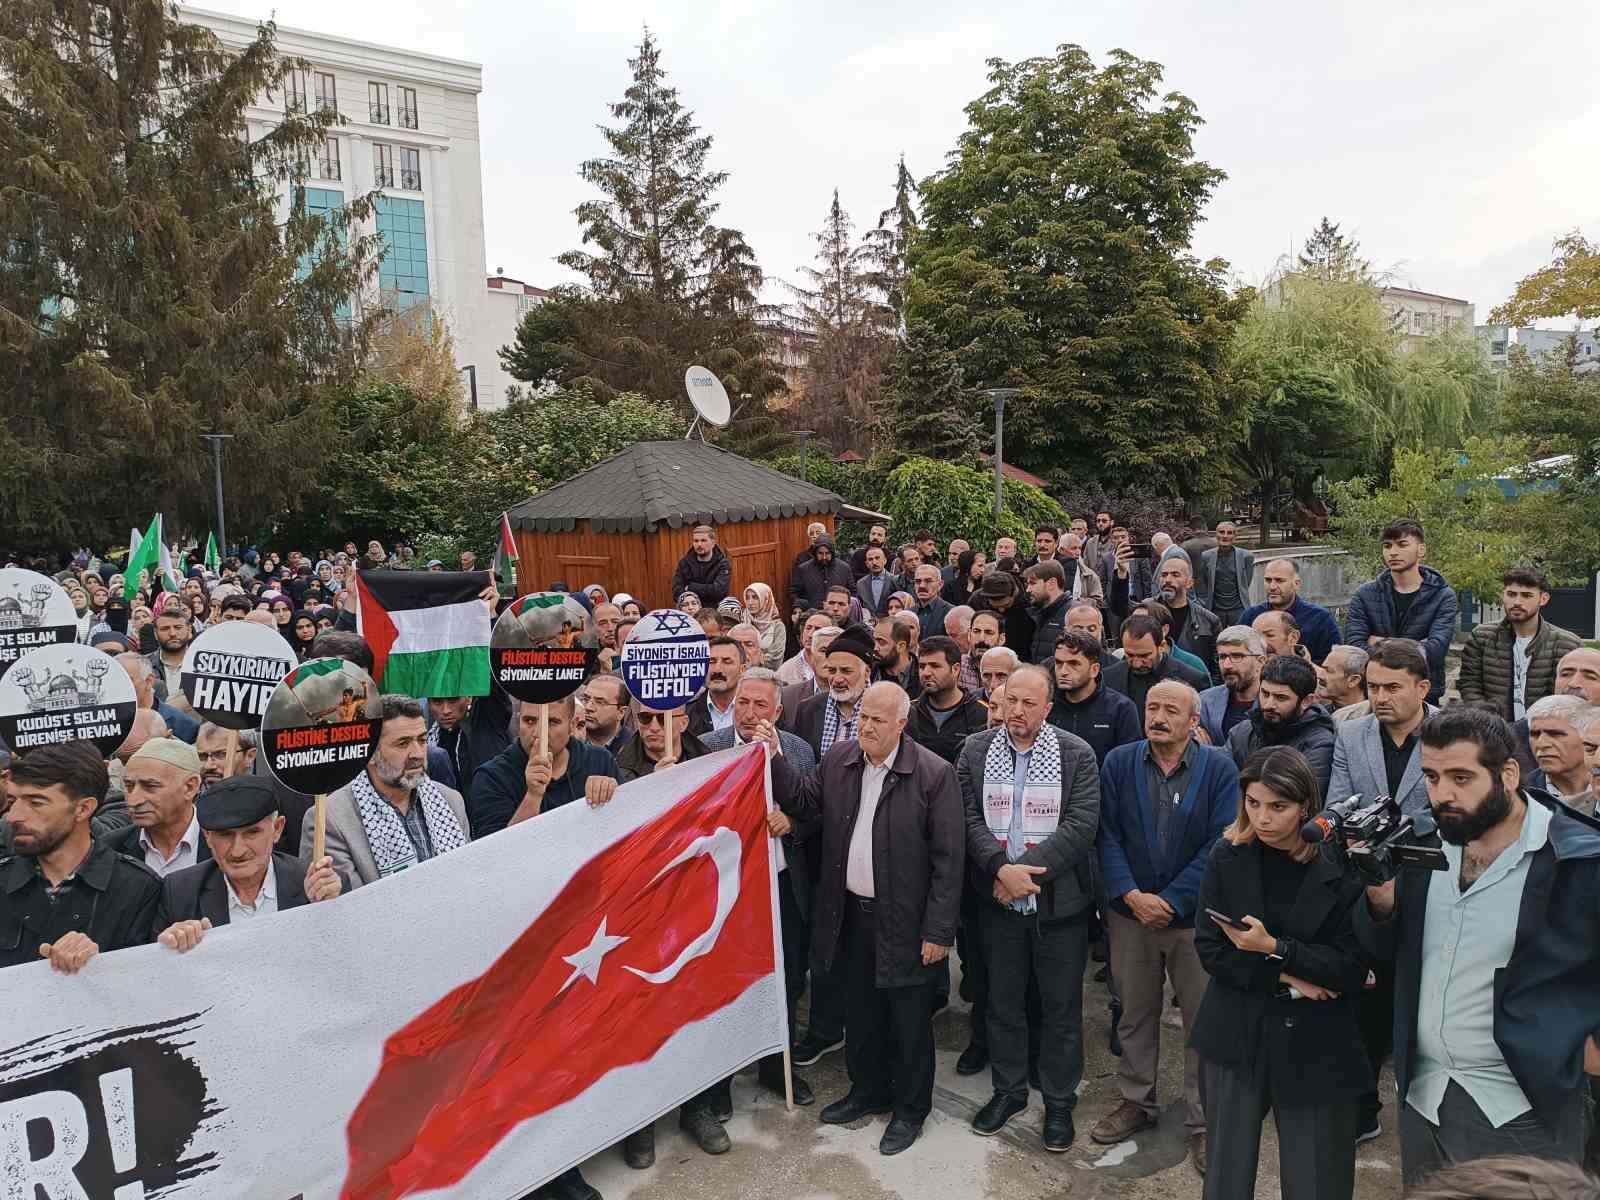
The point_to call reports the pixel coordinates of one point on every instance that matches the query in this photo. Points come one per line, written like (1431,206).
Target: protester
(392,816)
(888,897)
(1049,600)
(179,724)
(1084,706)
(1287,714)
(1319,632)
(1032,802)
(520,783)
(1408,600)
(713,707)
(811,578)
(1185,663)
(944,714)
(1046,540)
(1484,1070)
(748,640)
(1280,634)
(64,896)
(877,539)
(1240,651)
(1194,627)
(965,577)
(1510,664)
(836,604)
(1098,548)
(1147,661)
(995,667)
(1223,576)
(1164,802)
(1001,595)
(815,532)
(930,607)
(174,632)
(470,730)
(1342,682)
(891,643)
(874,584)
(161,781)
(1277,1028)
(761,612)
(705,570)
(605,722)
(1553,732)
(1083,582)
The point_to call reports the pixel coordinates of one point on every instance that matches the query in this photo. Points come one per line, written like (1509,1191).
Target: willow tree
(151,288)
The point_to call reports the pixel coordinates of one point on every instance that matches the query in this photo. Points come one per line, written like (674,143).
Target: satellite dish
(707,395)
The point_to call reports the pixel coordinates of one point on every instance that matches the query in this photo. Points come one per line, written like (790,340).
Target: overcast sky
(1454,140)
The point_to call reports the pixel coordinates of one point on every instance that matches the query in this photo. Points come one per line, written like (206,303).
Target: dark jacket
(1431,619)
(1199,636)
(1015,623)
(113,899)
(501,783)
(1129,859)
(634,763)
(1120,678)
(969,717)
(810,580)
(932,614)
(918,853)
(1105,720)
(864,594)
(126,841)
(1311,733)
(699,711)
(483,733)
(201,891)
(1048,622)
(1313,1048)
(1066,887)
(1319,632)
(1544,998)
(1487,672)
(708,579)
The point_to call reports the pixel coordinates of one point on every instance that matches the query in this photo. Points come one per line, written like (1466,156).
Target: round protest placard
(666,659)
(66,693)
(543,646)
(230,672)
(321,725)
(34,612)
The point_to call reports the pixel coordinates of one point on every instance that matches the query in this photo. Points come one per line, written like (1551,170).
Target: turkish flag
(663,928)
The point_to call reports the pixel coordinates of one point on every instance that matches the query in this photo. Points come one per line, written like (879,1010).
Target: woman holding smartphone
(1277,1030)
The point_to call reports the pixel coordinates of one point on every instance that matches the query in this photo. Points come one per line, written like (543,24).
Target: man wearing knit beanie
(161,781)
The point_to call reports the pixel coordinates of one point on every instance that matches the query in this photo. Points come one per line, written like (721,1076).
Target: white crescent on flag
(723,848)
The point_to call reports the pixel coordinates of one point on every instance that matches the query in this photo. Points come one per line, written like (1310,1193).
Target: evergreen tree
(925,410)
(850,335)
(1332,257)
(889,244)
(149,288)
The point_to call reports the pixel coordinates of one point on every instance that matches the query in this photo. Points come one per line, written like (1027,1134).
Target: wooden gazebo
(625,522)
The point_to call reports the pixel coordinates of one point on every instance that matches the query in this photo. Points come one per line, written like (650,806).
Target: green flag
(146,558)
(213,555)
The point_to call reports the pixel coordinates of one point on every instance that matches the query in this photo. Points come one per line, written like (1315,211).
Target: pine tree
(149,288)
(888,245)
(1329,255)
(925,409)
(850,334)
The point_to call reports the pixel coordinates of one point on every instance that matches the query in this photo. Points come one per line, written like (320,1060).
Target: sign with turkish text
(34,612)
(231,670)
(666,659)
(543,647)
(321,725)
(66,693)
(464,1051)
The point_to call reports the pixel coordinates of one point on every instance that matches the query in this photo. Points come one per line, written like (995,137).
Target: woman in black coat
(1277,1030)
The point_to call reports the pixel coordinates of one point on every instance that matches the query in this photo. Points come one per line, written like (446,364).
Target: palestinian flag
(505,554)
(429,630)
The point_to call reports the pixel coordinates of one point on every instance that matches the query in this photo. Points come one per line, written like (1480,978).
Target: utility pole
(805,436)
(216,440)
(999,396)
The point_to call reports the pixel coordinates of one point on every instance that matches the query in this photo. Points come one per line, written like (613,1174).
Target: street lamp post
(999,396)
(216,440)
(805,435)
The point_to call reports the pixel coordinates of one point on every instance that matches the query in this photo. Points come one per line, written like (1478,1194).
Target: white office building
(409,131)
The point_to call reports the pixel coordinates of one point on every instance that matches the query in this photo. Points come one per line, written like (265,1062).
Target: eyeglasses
(650,717)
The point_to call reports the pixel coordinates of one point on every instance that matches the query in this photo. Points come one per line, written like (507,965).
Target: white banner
(468,1028)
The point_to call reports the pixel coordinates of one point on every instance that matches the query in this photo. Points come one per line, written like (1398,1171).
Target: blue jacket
(1431,621)
(1319,632)
(499,785)
(1127,830)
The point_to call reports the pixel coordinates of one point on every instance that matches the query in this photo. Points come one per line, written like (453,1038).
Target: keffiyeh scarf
(391,845)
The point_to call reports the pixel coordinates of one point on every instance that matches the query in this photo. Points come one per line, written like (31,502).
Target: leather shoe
(1121,1123)
(772,1080)
(1197,1151)
(853,1108)
(639,1148)
(702,1125)
(1058,1132)
(899,1136)
(569,1185)
(973,1059)
(992,1117)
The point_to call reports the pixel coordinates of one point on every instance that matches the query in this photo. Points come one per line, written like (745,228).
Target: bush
(958,502)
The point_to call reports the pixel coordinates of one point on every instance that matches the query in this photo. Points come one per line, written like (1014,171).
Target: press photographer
(1496,959)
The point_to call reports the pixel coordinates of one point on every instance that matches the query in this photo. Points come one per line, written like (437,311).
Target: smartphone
(1226,920)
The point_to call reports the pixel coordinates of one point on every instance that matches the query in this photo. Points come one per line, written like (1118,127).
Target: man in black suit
(244,878)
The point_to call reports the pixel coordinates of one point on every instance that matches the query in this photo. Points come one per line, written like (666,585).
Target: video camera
(1374,835)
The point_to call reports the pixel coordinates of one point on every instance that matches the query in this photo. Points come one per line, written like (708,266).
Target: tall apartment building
(408,130)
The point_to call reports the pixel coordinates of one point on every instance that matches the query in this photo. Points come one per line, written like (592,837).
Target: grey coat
(1358,768)
(1066,888)
(346,838)
(798,752)
(1205,575)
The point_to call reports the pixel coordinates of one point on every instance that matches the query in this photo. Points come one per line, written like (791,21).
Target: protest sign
(34,612)
(66,693)
(463,1051)
(230,671)
(321,725)
(666,658)
(543,646)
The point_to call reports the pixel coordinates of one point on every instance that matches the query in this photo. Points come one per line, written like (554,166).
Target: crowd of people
(1100,751)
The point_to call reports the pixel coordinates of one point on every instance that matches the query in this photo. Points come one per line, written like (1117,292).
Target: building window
(296,86)
(326,205)
(408,107)
(410,169)
(382,165)
(378,102)
(403,270)
(327,97)
(1416,322)
(328,163)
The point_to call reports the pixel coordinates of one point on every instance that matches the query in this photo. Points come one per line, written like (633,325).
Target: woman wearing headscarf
(761,610)
(970,565)
(302,632)
(597,595)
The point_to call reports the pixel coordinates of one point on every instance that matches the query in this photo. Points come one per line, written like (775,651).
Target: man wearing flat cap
(244,878)
(161,780)
(1001,594)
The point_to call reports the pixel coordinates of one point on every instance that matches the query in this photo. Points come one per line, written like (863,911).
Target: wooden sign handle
(544,731)
(320,826)
(666,719)
(233,751)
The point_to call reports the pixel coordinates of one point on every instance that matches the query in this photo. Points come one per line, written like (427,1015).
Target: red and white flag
(476,1025)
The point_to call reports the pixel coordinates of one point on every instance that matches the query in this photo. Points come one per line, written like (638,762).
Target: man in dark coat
(705,570)
(943,716)
(470,730)
(1000,594)
(888,897)
(811,579)
(1408,600)
(1512,663)
(1287,714)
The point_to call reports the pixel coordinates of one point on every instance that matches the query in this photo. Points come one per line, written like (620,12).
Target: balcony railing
(383,176)
(411,181)
(329,168)
(408,118)
(380,114)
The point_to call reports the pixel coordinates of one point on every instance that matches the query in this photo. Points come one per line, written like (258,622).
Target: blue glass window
(403,271)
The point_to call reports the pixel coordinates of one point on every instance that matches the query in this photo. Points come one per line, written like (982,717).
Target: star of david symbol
(674,623)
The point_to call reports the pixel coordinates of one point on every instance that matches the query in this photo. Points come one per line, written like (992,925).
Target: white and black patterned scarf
(1041,789)
(386,832)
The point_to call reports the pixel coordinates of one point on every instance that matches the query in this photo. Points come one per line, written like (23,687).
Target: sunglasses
(651,717)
